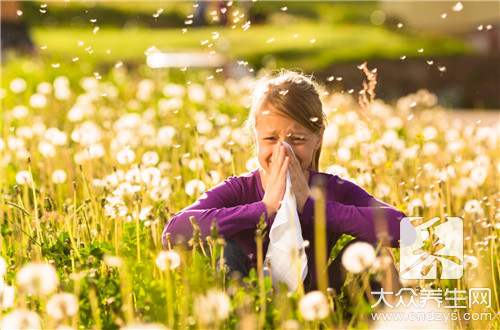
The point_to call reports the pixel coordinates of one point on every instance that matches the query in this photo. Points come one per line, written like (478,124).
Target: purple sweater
(237,205)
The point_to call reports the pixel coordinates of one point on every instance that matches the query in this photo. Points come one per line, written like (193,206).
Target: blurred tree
(14,31)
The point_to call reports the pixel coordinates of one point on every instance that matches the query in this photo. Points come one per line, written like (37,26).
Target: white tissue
(286,252)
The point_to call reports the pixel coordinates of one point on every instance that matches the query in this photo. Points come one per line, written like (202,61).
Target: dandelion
(470,262)
(212,307)
(478,175)
(112,261)
(145,212)
(3,267)
(62,305)
(150,158)
(37,278)
(23,177)
(151,176)
(314,306)
(168,260)
(125,156)
(21,319)
(18,85)
(358,257)
(46,149)
(7,296)
(444,15)
(19,111)
(196,164)
(59,176)
(38,100)
(195,187)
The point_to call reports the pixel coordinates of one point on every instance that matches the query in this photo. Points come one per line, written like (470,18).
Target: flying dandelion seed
(400,25)
(93,20)
(444,15)
(270,40)
(350,91)
(75,59)
(458,7)
(19,13)
(43,47)
(430,62)
(489,27)
(284,8)
(313,40)
(188,22)
(118,64)
(330,78)
(339,78)
(421,50)
(55,65)
(480,27)
(402,57)
(442,68)
(246,26)
(95,30)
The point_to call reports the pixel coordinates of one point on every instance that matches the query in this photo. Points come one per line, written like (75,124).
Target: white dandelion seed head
(3,267)
(125,156)
(38,100)
(314,306)
(168,260)
(113,261)
(195,187)
(196,93)
(470,262)
(62,305)
(145,212)
(165,135)
(47,149)
(59,176)
(7,296)
(196,164)
(23,177)
(150,158)
(19,111)
(55,136)
(18,85)
(21,319)
(44,88)
(174,90)
(212,307)
(358,257)
(37,278)
(151,176)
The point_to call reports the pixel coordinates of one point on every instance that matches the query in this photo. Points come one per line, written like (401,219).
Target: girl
(286,107)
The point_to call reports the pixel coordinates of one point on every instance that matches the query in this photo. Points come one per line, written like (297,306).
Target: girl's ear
(320,137)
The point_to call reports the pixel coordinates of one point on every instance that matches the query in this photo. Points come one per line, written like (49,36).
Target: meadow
(94,165)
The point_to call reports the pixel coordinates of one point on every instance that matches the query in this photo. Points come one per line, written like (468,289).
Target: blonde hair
(294,96)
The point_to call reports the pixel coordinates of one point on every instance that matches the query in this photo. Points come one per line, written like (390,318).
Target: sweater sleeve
(225,203)
(352,210)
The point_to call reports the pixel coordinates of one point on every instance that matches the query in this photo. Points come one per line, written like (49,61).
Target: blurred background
(447,47)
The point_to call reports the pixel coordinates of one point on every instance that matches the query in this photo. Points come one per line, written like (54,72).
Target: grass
(100,227)
(317,46)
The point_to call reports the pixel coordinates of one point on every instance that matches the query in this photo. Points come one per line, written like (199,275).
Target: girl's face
(271,127)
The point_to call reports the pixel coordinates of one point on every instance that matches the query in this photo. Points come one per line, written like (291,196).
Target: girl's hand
(276,180)
(299,180)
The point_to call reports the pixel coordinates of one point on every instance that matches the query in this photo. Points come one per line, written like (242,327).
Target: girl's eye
(298,139)
(270,138)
